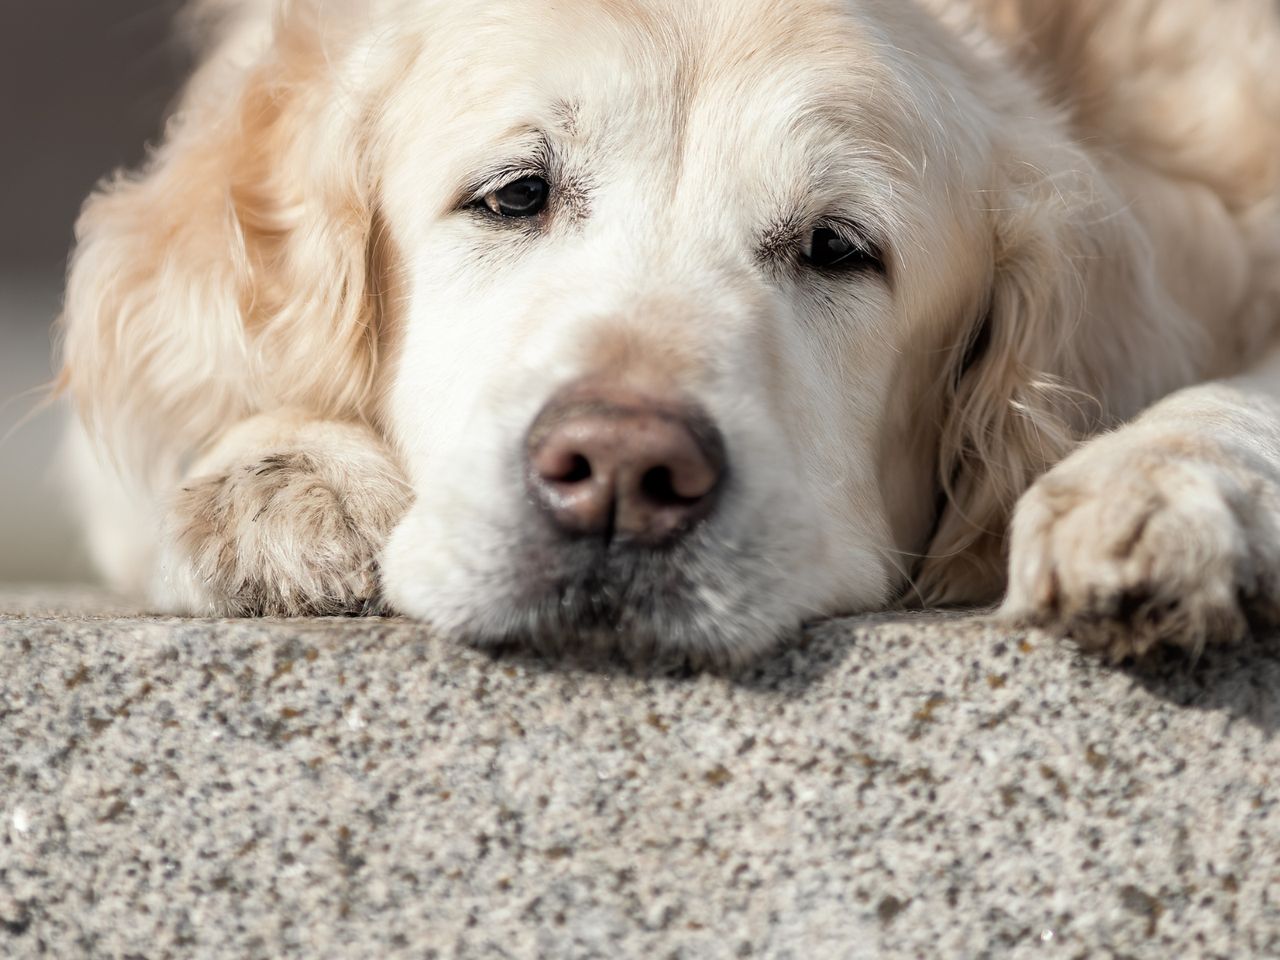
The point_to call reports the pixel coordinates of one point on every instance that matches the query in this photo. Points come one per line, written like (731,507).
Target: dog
(669,326)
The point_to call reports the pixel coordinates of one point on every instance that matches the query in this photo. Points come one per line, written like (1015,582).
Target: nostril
(578,470)
(562,467)
(658,487)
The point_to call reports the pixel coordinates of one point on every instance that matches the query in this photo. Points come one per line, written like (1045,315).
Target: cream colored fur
(1077,202)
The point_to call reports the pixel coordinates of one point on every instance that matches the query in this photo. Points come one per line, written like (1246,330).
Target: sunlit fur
(1077,201)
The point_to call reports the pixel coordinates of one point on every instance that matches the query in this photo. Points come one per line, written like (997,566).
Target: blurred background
(86,84)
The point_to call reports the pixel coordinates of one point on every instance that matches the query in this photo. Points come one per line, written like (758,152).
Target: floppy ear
(233,274)
(1077,333)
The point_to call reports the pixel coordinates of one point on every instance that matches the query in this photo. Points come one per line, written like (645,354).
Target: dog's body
(675,324)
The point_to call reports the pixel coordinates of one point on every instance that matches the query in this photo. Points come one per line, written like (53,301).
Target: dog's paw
(290,533)
(1126,548)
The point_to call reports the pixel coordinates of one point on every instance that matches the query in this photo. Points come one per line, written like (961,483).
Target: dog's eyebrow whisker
(567,114)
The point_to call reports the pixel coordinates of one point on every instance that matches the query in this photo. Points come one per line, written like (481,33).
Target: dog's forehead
(795,50)
(603,58)
(628,77)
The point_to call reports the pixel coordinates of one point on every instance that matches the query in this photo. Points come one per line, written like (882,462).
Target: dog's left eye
(526,197)
(829,249)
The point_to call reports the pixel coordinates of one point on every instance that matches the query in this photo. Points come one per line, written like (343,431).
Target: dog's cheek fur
(1064,347)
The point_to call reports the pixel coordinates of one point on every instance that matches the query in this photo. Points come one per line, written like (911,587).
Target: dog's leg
(119,519)
(285,516)
(1164,531)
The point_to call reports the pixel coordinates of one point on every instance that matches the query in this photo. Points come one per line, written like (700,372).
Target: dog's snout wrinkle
(622,467)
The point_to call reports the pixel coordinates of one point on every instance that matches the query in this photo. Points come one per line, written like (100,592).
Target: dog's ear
(1077,332)
(234,273)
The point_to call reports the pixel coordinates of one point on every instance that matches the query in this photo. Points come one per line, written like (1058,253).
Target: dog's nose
(620,466)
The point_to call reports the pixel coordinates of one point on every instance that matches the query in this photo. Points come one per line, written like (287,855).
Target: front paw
(1125,547)
(285,534)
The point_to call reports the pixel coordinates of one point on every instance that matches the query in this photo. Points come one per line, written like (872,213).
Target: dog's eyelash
(539,162)
(786,243)
(854,251)
(851,233)
(478,190)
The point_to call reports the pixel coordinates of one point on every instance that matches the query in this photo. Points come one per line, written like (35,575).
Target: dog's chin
(645,605)
(694,603)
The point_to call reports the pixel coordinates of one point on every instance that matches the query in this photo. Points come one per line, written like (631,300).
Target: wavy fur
(1078,201)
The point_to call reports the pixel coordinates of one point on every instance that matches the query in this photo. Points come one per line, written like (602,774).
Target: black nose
(610,463)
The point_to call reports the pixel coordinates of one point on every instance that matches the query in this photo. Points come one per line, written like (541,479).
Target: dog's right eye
(526,197)
(830,249)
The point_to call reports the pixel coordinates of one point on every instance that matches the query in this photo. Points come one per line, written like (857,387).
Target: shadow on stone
(829,645)
(1242,681)
(791,670)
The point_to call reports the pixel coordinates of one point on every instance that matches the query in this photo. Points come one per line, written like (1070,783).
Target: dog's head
(691,320)
(669,269)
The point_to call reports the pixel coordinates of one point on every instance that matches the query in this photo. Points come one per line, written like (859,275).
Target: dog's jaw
(711,599)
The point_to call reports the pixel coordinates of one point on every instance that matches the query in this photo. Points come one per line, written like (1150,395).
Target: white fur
(1064,248)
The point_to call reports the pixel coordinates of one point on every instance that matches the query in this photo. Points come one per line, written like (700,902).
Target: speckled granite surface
(893,788)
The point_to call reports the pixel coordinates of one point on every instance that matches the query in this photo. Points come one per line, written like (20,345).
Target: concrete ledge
(900,787)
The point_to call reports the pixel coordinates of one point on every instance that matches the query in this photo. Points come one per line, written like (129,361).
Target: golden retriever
(669,325)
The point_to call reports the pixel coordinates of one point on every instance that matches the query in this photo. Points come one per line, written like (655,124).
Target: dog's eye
(829,249)
(526,197)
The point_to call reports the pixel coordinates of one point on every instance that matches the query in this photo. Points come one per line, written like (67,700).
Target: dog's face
(678,280)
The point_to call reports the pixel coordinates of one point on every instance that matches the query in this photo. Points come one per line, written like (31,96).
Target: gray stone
(896,786)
